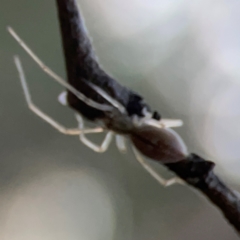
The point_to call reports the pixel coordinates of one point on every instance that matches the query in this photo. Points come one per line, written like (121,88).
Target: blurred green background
(183,57)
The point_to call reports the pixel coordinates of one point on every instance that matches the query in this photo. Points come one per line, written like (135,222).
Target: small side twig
(81,63)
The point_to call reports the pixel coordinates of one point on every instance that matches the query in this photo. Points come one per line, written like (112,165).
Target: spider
(152,138)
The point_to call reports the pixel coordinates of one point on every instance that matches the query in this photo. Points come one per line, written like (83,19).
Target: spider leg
(170,123)
(41,114)
(163,123)
(149,169)
(105,144)
(105,95)
(121,144)
(79,95)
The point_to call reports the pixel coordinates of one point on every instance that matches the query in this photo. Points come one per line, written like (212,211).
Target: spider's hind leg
(121,143)
(157,176)
(105,144)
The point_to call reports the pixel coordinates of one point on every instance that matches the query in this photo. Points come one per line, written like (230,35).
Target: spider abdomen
(160,144)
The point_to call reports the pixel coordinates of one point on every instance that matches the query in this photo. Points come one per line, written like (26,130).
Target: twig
(82,64)
(198,173)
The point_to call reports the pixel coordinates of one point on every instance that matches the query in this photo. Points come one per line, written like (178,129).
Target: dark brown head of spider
(160,144)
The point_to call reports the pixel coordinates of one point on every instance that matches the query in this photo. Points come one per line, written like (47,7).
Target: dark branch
(198,173)
(81,64)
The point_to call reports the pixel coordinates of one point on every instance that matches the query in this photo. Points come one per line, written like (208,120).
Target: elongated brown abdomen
(161,144)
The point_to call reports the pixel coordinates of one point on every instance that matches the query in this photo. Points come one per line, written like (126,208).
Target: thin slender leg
(53,75)
(163,123)
(170,123)
(154,174)
(121,144)
(41,114)
(111,100)
(105,144)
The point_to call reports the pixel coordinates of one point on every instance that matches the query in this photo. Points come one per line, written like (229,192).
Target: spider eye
(160,144)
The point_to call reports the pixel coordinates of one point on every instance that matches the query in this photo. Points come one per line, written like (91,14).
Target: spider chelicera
(153,138)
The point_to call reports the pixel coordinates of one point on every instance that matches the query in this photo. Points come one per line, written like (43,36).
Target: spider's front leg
(54,76)
(41,114)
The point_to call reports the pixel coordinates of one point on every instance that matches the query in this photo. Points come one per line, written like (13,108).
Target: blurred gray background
(183,57)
